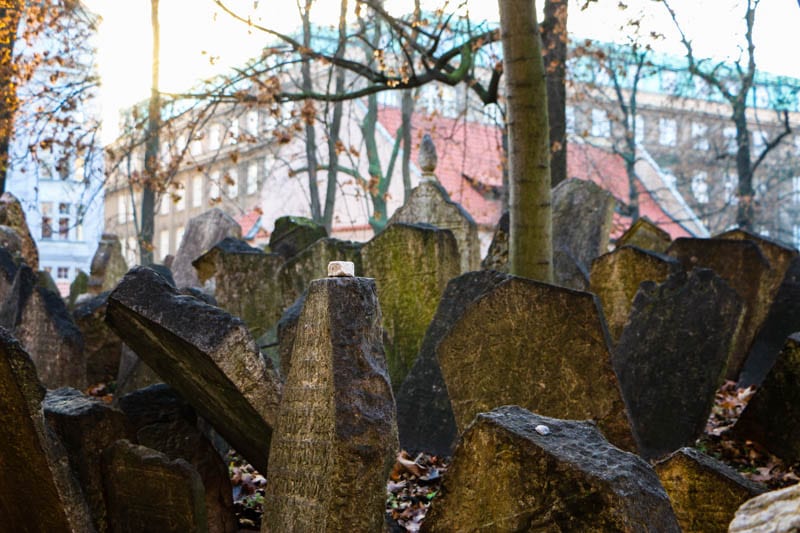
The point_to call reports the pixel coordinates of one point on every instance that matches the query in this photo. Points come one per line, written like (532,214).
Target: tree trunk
(151,149)
(745,213)
(311,135)
(406,110)
(10,12)
(554,40)
(530,221)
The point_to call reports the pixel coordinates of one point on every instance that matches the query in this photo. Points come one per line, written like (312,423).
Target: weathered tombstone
(772,417)
(163,421)
(202,232)
(518,471)
(146,491)
(704,492)
(577,199)
(292,234)
(336,434)
(615,279)
(245,282)
(12,215)
(86,426)
(133,373)
(429,203)
(778,255)
(539,346)
(742,265)
(78,287)
(777,511)
(204,353)
(108,265)
(8,270)
(425,419)
(34,464)
(311,263)
(39,319)
(11,241)
(671,357)
(497,255)
(286,331)
(568,273)
(646,235)
(411,265)
(102,347)
(782,320)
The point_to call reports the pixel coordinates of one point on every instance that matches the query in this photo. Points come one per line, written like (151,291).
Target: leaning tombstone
(12,215)
(102,347)
(515,470)
(411,264)
(108,265)
(293,233)
(645,235)
(777,511)
(202,232)
(671,357)
(497,256)
(146,491)
(615,279)
(204,353)
(704,492)
(336,435)
(34,463)
(536,345)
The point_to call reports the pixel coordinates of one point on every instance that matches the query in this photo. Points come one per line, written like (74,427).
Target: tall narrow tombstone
(411,265)
(108,265)
(616,277)
(539,346)
(207,355)
(704,492)
(645,235)
(429,203)
(777,511)
(34,464)
(12,214)
(497,254)
(778,255)
(515,470)
(78,287)
(336,434)
(576,199)
(671,357)
(772,417)
(742,265)
(202,232)
(245,282)
(292,234)
(103,348)
(146,491)
(424,416)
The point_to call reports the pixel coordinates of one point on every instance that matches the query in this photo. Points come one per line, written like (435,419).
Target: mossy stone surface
(646,235)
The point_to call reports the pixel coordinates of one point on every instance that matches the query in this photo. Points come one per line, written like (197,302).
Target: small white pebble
(337,269)
(541,429)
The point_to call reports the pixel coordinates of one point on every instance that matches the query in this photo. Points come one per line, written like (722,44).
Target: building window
(196,148)
(759,141)
(729,134)
(47,220)
(131,250)
(163,207)
(180,197)
(62,273)
(163,243)
(197,191)
(63,221)
(232,183)
(699,136)
(700,187)
(638,123)
(729,182)
(214,188)
(569,112)
(601,126)
(252,123)
(179,237)
(796,190)
(233,132)
(252,178)
(667,132)
(214,136)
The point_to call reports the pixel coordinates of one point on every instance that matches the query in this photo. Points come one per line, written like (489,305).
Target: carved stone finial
(427,155)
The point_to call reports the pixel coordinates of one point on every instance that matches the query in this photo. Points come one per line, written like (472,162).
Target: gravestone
(78,287)
(580,200)
(286,331)
(12,215)
(539,346)
(86,427)
(645,235)
(778,255)
(704,492)
(772,417)
(133,373)
(515,470)
(671,357)
(34,463)
(103,348)
(497,254)
(777,511)
(293,234)
(742,265)
(615,279)
(108,265)
(146,491)
(425,419)
(245,282)
(568,273)
(204,353)
(429,203)
(8,270)
(202,232)
(11,241)
(411,265)
(312,262)
(39,319)
(161,420)
(336,436)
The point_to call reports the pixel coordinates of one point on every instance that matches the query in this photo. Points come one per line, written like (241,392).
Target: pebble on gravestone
(108,265)
(336,436)
(704,492)
(204,353)
(515,470)
(103,348)
(777,511)
(497,255)
(12,215)
(671,357)
(539,346)
(292,234)
(411,264)
(146,491)
(202,232)
(616,276)
(646,235)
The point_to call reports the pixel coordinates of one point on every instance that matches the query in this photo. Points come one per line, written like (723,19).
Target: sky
(198,41)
